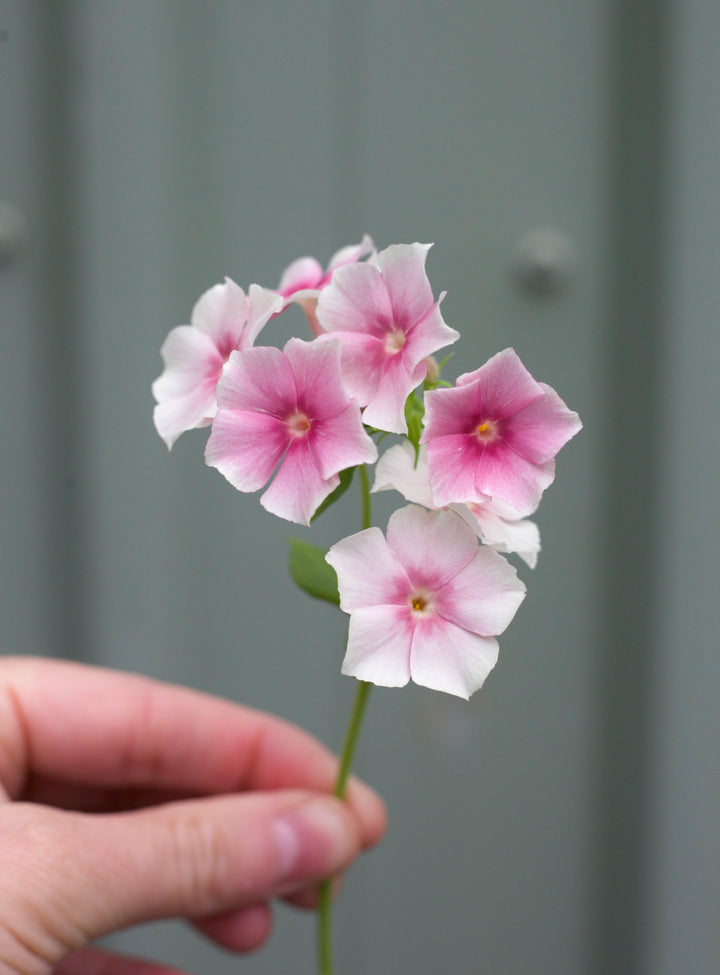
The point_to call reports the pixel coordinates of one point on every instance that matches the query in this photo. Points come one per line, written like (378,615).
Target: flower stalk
(325,962)
(352,734)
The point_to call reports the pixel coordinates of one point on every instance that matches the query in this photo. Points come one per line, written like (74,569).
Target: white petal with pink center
(387,322)
(432,546)
(289,409)
(223,319)
(424,602)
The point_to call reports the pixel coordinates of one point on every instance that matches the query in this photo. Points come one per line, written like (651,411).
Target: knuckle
(202,855)
(36,928)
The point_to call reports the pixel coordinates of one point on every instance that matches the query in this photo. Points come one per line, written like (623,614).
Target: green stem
(351,737)
(366,502)
(325,964)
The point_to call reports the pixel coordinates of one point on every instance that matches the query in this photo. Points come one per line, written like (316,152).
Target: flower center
(422,602)
(486,431)
(394,341)
(298,424)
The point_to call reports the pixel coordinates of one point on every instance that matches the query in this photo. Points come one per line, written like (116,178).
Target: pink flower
(304,279)
(425,603)
(305,276)
(287,410)
(224,319)
(495,435)
(387,322)
(495,523)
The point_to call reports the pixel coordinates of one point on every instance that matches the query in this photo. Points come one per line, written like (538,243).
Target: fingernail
(313,840)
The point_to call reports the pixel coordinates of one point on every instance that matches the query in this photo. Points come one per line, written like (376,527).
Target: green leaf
(311,572)
(346,477)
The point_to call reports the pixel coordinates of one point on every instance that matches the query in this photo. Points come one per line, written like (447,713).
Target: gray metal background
(565,821)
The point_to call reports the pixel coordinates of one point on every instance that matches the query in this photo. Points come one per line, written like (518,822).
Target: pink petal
(447,658)
(318,380)
(356,300)
(428,334)
(189,357)
(298,487)
(432,546)
(304,273)
(258,379)
(452,461)
(378,647)
(340,442)
(337,438)
(362,359)
(505,475)
(246,447)
(221,313)
(503,385)
(186,389)
(385,410)
(542,428)
(403,268)
(264,304)
(348,255)
(450,411)
(483,596)
(368,572)
(463,473)
(182,413)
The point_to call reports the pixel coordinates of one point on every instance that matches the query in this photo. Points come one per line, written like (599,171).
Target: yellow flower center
(422,601)
(486,431)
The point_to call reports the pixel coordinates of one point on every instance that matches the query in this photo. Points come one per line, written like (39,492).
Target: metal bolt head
(544,259)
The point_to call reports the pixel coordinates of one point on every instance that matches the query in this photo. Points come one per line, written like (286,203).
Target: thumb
(71,877)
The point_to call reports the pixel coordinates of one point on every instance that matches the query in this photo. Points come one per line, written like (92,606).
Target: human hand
(124,800)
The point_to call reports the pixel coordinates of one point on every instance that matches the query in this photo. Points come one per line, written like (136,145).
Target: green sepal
(414,415)
(346,477)
(311,572)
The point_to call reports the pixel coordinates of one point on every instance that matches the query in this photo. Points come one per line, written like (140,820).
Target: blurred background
(563,156)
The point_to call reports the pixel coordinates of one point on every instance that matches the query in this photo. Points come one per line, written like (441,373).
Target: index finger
(88,726)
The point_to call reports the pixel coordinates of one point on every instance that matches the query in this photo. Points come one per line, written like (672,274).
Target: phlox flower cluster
(427,598)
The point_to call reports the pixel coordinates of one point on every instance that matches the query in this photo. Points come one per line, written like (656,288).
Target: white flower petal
(378,648)
(484,596)
(397,470)
(448,658)
(518,535)
(368,573)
